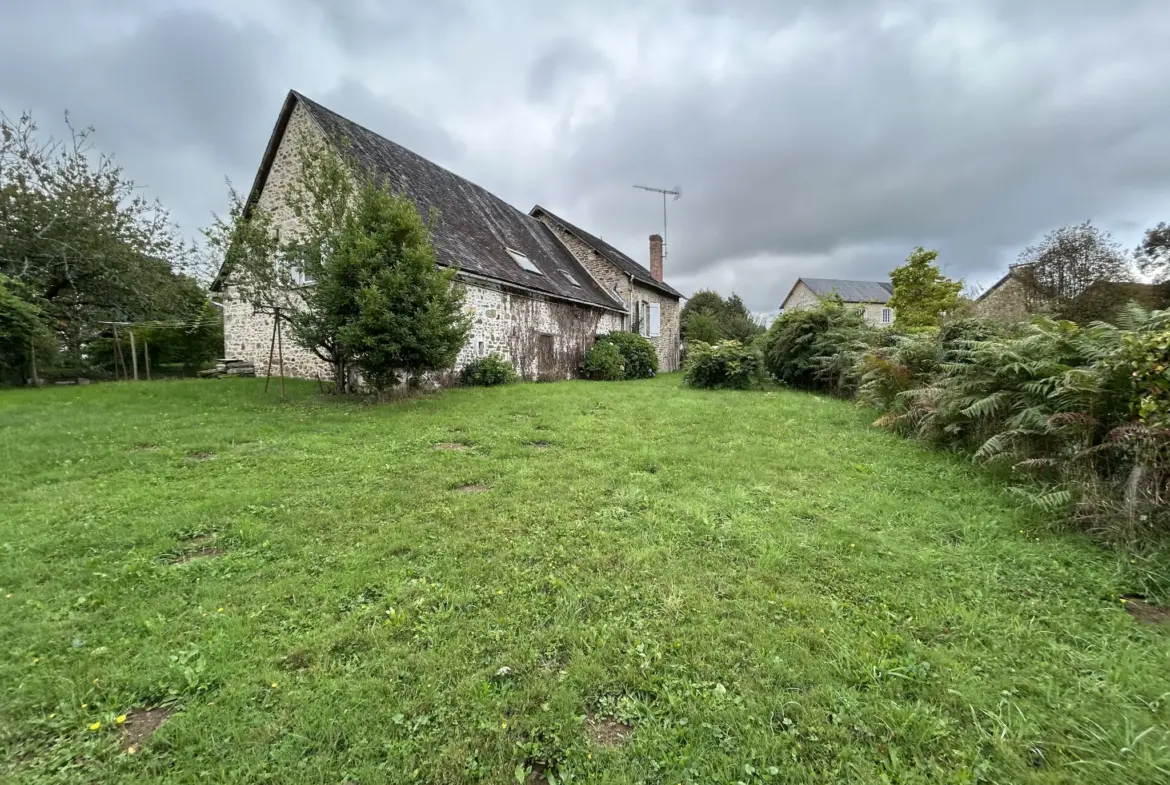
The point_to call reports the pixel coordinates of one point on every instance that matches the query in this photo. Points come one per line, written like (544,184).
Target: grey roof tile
(611,254)
(851,291)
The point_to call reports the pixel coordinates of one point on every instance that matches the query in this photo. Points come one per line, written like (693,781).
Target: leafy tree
(1153,254)
(1055,272)
(709,318)
(357,281)
(77,233)
(25,339)
(922,294)
(703,328)
(397,310)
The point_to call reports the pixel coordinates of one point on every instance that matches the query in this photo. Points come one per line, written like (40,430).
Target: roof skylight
(523,261)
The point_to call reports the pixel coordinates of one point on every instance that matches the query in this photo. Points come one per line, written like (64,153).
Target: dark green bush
(604,363)
(728,364)
(638,356)
(488,372)
(819,348)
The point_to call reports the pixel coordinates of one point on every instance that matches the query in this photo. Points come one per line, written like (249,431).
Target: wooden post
(32,356)
(280,351)
(118,355)
(271,349)
(146,354)
(133,354)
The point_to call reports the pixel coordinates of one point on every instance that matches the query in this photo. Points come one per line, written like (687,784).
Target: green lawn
(760,585)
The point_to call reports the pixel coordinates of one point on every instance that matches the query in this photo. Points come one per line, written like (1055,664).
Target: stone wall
(668,342)
(506,323)
(247,335)
(543,338)
(615,280)
(1005,303)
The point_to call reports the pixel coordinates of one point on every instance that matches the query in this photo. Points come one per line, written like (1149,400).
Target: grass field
(583,582)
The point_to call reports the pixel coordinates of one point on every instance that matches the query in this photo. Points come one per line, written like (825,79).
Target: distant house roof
(611,254)
(848,291)
(474,230)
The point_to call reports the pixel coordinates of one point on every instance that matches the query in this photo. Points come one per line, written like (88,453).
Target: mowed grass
(760,586)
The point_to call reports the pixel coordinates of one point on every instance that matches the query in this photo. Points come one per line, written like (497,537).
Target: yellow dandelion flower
(501,591)
(131,750)
(121,718)
(85,705)
(504,725)
(822,629)
(96,725)
(1123,600)
(219,610)
(274,686)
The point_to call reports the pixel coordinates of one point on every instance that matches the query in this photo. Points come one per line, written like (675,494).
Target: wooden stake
(146,354)
(118,356)
(271,349)
(280,351)
(32,356)
(133,353)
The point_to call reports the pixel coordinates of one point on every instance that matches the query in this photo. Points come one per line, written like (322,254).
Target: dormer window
(523,261)
(572,280)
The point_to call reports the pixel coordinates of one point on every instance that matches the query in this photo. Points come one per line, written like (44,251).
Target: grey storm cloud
(809,138)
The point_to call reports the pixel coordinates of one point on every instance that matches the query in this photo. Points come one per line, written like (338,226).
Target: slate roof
(850,291)
(611,254)
(474,228)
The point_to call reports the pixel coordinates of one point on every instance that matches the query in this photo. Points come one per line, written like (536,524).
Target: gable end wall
(613,279)
(503,322)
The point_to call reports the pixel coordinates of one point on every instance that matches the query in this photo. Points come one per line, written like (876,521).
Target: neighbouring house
(870,298)
(1006,300)
(539,289)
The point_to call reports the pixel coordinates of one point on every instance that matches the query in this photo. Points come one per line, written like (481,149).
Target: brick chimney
(656,257)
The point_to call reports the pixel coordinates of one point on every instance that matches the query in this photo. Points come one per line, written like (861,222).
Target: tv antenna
(677,194)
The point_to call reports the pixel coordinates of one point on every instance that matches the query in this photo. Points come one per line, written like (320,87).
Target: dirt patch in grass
(473,487)
(201,456)
(1141,610)
(297,660)
(141,724)
(540,445)
(456,446)
(145,447)
(200,553)
(607,732)
(199,539)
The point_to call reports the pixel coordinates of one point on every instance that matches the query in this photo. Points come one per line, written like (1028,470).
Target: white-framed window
(887,315)
(572,280)
(643,317)
(299,277)
(481,348)
(655,320)
(523,261)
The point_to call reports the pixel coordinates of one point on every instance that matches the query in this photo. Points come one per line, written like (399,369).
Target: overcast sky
(825,139)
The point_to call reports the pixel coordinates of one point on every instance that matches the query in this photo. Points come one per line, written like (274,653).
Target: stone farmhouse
(871,298)
(540,290)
